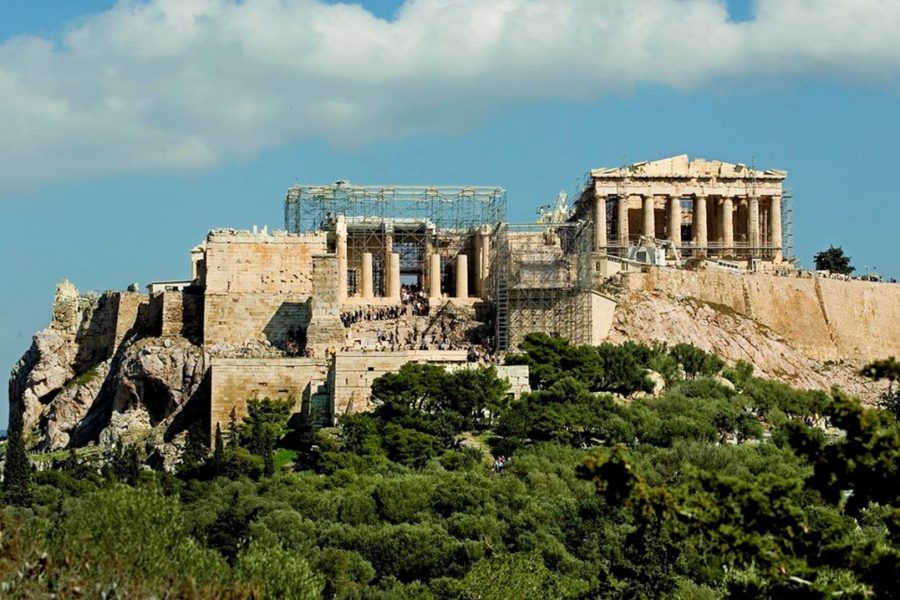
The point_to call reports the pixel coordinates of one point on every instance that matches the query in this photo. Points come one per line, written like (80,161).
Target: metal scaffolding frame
(541,280)
(310,207)
(413,221)
(787,226)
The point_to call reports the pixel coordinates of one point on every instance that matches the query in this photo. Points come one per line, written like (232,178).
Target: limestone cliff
(102,371)
(655,316)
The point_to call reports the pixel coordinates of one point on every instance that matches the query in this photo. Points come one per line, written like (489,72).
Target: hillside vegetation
(722,485)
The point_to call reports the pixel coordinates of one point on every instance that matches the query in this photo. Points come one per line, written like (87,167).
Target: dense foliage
(723,485)
(833,260)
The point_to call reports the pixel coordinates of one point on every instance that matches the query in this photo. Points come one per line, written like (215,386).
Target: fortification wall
(239,317)
(864,316)
(354,373)
(128,319)
(181,315)
(234,381)
(258,285)
(828,319)
(244,262)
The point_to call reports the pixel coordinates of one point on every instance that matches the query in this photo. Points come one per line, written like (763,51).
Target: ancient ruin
(363,279)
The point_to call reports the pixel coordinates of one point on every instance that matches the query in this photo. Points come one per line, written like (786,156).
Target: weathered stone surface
(153,382)
(44,369)
(71,405)
(650,316)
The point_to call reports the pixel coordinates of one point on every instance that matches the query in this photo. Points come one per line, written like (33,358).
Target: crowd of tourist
(413,301)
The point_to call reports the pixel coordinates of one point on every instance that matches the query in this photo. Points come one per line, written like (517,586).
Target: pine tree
(268,450)
(196,449)
(17,471)
(218,457)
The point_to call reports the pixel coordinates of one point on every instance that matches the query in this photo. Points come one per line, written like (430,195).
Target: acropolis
(365,278)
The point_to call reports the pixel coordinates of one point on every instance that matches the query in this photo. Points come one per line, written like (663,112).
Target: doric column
(434,275)
(599,222)
(622,218)
(775,225)
(727,224)
(386,262)
(753,224)
(675,220)
(482,275)
(366,275)
(462,276)
(393,287)
(699,225)
(340,249)
(649,228)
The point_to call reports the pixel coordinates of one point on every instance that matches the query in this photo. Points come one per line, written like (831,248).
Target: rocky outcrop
(139,393)
(97,374)
(653,316)
(154,381)
(40,374)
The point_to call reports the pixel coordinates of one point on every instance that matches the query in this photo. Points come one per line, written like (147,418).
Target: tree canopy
(834,260)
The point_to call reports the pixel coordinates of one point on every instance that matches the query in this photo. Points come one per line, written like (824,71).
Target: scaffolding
(412,221)
(310,207)
(541,281)
(787,227)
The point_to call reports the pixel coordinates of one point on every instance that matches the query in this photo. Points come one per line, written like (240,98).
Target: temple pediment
(681,166)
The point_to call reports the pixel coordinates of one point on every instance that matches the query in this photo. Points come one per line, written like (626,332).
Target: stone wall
(258,285)
(234,381)
(279,263)
(354,373)
(828,319)
(128,319)
(237,318)
(182,315)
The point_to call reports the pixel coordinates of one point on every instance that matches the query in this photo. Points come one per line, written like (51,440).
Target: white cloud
(183,84)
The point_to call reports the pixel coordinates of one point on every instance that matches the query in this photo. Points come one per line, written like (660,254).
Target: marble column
(393,288)
(482,279)
(649,228)
(775,225)
(340,250)
(699,225)
(434,275)
(622,217)
(366,275)
(386,263)
(727,225)
(675,220)
(462,276)
(753,225)
(599,216)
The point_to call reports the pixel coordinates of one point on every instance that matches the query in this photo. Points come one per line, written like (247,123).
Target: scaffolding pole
(541,281)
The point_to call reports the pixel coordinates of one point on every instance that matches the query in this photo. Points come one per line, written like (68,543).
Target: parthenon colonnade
(702,207)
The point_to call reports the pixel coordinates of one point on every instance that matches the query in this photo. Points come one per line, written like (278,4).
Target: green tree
(833,260)
(17,469)
(196,449)
(695,361)
(264,425)
(125,463)
(218,456)
(889,369)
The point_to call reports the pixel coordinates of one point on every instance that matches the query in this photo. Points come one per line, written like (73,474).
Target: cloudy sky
(127,129)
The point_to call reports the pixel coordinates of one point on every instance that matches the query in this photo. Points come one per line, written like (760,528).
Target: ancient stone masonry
(702,207)
(368,278)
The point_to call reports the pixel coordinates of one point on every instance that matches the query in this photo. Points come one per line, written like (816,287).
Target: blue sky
(130,130)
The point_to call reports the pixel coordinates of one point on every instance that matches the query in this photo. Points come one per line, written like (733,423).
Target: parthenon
(704,208)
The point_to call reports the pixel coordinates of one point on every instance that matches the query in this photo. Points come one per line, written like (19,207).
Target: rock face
(40,374)
(95,375)
(651,316)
